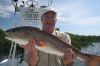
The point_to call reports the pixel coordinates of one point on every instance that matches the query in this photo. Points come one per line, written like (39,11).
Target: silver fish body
(22,35)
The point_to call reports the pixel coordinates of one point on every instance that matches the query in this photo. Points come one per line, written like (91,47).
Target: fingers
(33,42)
(32,54)
(29,46)
(69,56)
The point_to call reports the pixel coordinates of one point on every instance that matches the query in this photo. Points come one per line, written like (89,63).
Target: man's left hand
(69,56)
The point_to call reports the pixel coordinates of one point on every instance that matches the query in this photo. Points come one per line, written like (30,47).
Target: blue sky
(75,16)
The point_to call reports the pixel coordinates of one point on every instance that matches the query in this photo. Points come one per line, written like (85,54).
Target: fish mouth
(7,38)
(6,34)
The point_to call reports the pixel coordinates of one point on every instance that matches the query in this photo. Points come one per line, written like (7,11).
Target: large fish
(47,43)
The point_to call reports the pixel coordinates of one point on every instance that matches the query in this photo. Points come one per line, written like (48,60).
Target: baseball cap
(49,10)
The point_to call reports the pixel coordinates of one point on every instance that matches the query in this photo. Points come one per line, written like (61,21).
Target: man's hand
(69,56)
(31,53)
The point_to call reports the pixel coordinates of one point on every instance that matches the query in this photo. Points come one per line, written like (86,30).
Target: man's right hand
(32,53)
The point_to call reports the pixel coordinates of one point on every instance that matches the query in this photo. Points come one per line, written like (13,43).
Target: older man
(37,58)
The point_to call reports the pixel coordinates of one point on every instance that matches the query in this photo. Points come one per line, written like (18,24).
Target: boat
(30,15)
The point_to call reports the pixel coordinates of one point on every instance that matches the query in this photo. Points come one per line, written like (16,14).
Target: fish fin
(92,60)
(92,63)
(41,43)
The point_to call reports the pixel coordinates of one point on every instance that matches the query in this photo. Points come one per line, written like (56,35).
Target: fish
(47,43)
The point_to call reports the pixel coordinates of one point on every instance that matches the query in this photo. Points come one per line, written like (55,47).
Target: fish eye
(13,30)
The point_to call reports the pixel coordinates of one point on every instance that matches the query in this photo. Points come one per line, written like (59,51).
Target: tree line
(81,41)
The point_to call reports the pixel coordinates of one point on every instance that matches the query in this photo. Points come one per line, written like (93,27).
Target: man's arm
(31,52)
(69,55)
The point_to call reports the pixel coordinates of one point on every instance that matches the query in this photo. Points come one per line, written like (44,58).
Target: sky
(80,17)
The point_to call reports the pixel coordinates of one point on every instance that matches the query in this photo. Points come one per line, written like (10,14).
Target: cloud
(81,21)
(5,10)
(90,20)
(77,12)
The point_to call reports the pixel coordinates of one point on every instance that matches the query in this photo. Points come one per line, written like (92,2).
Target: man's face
(49,20)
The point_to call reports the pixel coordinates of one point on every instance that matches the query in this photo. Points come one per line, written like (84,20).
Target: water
(95,49)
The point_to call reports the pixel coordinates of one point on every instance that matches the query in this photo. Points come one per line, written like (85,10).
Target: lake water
(95,49)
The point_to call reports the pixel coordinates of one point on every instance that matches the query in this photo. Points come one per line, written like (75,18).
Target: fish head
(18,35)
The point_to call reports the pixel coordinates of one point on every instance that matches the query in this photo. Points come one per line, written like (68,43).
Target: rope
(13,54)
(11,50)
(14,51)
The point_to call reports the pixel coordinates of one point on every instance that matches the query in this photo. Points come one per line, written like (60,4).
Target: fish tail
(92,60)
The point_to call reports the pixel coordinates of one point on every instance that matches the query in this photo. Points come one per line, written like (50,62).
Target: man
(37,58)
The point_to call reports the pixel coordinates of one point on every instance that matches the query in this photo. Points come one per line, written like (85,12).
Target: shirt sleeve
(66,38)
(63,36)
